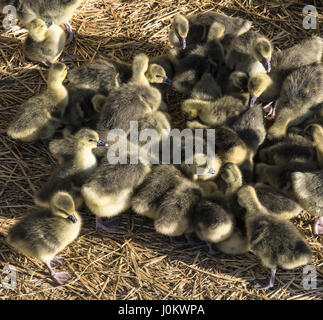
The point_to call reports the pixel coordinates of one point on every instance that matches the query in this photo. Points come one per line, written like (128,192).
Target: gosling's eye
(159,76)
(91,140)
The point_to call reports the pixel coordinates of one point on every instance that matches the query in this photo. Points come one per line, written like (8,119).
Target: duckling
(54,11)
(100,75)
(280,177)
(45,43)
(179,32)
(275,241)
(222,111)
(250,52)
(307,189)
(108,191)
(212,223)
(293,148)
(229,146)
(276,203)
(251,129)
(232,83)
(40,115)
(238,242)
(43,233)
(148,196)
(206,89)
(306,52)
(199,164)
(157,74)
(155,127)
(226,146)
(208,167)
(159,78)
(188,32)
(210,190)
(174,214)
(73,173)
(169,198)
(62,149)
(190,68)
(80,111)
(314,132)
(129,102)
(301,93)
(267,87)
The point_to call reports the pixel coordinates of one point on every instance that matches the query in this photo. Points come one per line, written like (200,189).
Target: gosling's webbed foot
(58,260)
(263,285)
(61,277)
(271,113)
(178,240)
(269,283)
(318,225)
(70,33)
(108,224)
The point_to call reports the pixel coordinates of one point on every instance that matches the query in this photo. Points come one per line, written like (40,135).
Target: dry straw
(137,263)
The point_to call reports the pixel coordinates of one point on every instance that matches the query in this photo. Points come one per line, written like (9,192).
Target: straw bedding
(137,263)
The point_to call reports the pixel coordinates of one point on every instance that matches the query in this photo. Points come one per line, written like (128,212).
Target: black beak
(266,63)
(101,143)
(48,24)
(183,42)
(301,133)
(166,80)
(252,101)
(72,218)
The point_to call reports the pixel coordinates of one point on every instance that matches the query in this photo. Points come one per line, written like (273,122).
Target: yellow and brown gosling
(40,116)
(275,241)
(45,42)
(43,233)
(75,169)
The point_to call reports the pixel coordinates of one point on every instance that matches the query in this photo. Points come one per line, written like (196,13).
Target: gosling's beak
(48,24)
(167,80)
(301,133)
(183,42)
(72,218)
(67,68)
(266,63)
(252,101)
(101,143)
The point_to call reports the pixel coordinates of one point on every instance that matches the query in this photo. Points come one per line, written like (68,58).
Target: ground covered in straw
(137,263)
